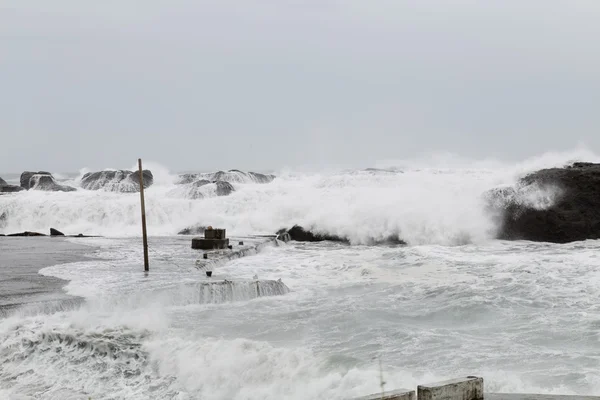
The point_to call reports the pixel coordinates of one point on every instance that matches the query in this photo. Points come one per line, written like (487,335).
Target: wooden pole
(145,237)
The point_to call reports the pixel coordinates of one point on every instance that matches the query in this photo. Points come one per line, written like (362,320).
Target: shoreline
(21,284)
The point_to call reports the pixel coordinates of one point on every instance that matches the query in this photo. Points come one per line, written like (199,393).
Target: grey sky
(259,84)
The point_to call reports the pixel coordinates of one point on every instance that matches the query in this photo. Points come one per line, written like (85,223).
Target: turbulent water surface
(452,302)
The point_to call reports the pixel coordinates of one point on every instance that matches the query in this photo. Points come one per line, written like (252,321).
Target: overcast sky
(261,84)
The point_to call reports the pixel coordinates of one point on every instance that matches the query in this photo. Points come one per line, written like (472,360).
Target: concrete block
(214,234)
(469,388)
(209,244)
(400,394)
(531,396)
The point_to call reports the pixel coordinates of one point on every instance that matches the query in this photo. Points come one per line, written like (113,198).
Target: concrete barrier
(252,245)
(531,396)
(400,394)
(469,388)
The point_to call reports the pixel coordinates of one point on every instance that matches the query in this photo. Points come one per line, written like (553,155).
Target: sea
(335,321)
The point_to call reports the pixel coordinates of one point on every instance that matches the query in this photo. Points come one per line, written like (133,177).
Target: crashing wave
(226,291)
(45,182)
(202,189)
(231,176)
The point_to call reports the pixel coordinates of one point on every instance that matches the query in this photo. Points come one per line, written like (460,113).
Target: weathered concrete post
(214,239)
(144,235)
(469,388)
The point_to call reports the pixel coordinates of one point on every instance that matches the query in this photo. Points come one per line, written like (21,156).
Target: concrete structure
(469,388)
(213,239)
(217,257)
(525,396)
(400,394)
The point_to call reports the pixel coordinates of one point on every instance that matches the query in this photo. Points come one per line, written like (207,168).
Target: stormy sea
(418,288)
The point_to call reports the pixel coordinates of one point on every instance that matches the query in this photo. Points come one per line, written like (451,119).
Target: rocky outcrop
(557,205)
(26,233)
(48,184)
(193,230)
(299,234)
(6,188)
(54,232)
(4,219)
(26,178)
(391,240)
(185,179)
(42,181)
(231,176)
(116,181)
(205,188)
(224,188)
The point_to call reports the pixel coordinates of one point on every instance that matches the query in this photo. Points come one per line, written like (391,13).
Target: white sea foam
(420,205)
(526,312)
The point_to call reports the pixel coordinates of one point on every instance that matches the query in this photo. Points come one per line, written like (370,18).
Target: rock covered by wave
(6,188)
(44,181)
(556,205)
(300,234)
(116,181)
(231,176)
(202,185)
(203,188)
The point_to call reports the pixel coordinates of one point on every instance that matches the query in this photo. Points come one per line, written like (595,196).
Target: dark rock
(6,188)
(192,190)
(299,234)
(54,232)
(193,230)
(254,177)
(42,181)
(392,240)
(26,233)
(200,183)
(48,184)
(283,236)
(10,189)
(26,178)
(566,206)
(116,181)
(81,235)
(188,178)
(3,219)
(224,188)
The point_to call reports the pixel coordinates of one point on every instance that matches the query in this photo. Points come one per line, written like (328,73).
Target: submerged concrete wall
(468,388)
(400,394)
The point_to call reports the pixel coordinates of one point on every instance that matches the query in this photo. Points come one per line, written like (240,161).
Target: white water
(435,205)
(454,302)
